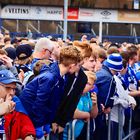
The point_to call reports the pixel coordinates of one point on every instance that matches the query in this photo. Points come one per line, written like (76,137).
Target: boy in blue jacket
(41,97)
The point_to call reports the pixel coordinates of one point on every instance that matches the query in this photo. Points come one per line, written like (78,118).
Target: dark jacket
(42,96)
(70,99)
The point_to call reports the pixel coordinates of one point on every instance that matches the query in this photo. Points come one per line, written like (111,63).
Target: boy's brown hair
(84,48)
(112,50)
(69,55)
(7,39)
(132,51)
(94,54)
(102,54)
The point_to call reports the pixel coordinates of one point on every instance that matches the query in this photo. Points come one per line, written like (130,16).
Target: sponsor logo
(38,10)
(58,12)
(105,13)
(84,13)
(17,10)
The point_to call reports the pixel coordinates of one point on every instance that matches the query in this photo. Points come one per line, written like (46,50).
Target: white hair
(44,43)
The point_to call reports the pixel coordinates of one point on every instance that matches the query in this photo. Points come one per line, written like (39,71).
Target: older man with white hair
(43,50)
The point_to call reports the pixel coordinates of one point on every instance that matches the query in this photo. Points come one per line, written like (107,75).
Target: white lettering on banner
(72,13)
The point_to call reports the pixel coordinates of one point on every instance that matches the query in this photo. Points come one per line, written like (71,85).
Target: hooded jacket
(106,87)
(42,95)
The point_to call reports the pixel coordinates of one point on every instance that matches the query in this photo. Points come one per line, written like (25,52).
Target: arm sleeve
(111,91)
(27,127)
(40,108)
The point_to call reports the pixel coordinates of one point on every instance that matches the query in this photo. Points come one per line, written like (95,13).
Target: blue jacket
(42,95)
(106,87)
(19,107)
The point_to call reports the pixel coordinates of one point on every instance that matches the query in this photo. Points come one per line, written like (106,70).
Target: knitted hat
(23,51)
(11,52)
(114,62)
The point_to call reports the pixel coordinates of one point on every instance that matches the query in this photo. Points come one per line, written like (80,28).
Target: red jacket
(18,125)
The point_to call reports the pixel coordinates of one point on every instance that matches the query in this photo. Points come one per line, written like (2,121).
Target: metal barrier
(120,125)
(130,135)
(71,131)
(120,119)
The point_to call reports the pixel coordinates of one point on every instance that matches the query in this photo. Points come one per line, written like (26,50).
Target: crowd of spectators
(47,83)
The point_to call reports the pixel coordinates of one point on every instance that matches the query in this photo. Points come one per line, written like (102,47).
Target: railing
(71,128)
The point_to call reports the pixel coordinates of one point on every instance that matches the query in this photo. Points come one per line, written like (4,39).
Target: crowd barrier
(129,136)
(71,136)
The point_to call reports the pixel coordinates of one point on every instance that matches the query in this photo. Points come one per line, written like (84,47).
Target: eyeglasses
(8,87)
(48,50)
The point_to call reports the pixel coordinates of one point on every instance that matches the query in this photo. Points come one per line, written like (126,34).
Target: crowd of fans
(47,83)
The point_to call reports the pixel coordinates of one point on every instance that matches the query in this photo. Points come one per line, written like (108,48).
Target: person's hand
(10,103)
(54,127)
(21,75)
(57,128)
(132,106)
(6,106)
(94,98)
(60,129)
(107,110)
(7,61)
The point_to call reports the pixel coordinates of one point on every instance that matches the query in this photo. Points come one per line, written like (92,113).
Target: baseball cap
(7,77)
(23,51)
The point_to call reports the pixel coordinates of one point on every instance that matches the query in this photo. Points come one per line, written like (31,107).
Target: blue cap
(7,77)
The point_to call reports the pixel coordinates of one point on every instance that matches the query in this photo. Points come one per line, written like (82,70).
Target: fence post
(88,130)
(73,128)
(109,126)
(120,128)
(69,131)
(130,121)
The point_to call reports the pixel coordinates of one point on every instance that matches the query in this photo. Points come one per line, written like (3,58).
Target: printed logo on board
(105,13)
